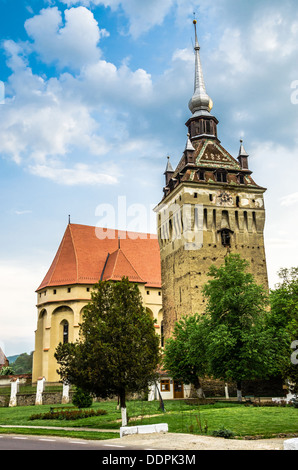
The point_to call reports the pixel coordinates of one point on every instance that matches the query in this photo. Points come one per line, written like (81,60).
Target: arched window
(65,331)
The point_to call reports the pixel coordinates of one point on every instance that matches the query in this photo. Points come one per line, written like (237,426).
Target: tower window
(208,127)
(69,289)
(226,237)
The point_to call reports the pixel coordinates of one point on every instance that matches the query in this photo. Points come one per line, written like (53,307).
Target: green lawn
(180,416)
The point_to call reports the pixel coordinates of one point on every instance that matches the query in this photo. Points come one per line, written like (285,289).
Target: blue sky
(96,95)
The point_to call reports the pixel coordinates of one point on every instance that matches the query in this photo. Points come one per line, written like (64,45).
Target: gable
(212,155)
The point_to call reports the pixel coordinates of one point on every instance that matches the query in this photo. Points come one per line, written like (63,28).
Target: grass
(244,421)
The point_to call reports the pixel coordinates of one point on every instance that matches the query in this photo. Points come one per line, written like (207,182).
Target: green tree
(185,352)
(282,321)
(118,352)
(23,364)
(238,345)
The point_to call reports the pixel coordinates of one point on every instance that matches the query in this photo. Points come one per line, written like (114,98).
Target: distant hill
(12,358)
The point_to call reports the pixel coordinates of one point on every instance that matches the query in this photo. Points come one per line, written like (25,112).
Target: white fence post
(39,391)
(14,388)
(65,393)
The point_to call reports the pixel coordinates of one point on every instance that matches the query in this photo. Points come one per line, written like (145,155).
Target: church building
(84,258)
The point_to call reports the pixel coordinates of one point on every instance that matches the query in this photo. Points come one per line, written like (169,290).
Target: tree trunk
(239,391)
(123,408)
(199,389)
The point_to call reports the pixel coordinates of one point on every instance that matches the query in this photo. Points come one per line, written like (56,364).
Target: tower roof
(82,257)
(242,151)
(169,168)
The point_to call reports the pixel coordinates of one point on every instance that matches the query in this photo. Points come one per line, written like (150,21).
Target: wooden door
(178,389)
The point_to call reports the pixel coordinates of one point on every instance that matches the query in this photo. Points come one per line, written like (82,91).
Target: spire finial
(197,46)
(69,219)
(200,102)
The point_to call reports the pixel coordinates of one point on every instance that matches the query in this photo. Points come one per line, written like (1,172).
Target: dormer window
(241,179)
(201,175)
(221,176)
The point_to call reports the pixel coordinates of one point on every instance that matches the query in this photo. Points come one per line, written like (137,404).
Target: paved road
(16,442)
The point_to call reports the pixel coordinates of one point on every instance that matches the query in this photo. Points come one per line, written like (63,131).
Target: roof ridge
(74,249)
(58,255)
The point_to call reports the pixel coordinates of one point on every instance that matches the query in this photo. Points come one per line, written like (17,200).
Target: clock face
(225,199)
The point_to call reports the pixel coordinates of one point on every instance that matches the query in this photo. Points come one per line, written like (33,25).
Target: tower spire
(200,102)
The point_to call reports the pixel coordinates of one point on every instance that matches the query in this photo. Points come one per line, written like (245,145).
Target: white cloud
(17,313)
(142,15)
(81,174)
(23,212)
(275,33)
(289,200)
(72,44)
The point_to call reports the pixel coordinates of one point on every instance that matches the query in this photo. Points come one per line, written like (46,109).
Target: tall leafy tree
(282,321)
(118,351)
(185,352)
(238,345)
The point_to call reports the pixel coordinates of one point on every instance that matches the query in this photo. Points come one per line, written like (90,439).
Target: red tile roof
(84,257)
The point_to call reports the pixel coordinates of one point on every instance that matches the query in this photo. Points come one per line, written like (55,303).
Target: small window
(148,292)
(54,292)
(69,289)
(165,385)
(196,195)
(88,289)
(159,292)
(162,338)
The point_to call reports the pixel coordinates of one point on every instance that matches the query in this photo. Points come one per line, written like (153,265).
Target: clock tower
(211,207)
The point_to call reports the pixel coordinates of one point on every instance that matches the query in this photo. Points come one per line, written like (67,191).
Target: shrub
(82,399)
(68,414)
(223,432)
(294,402)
